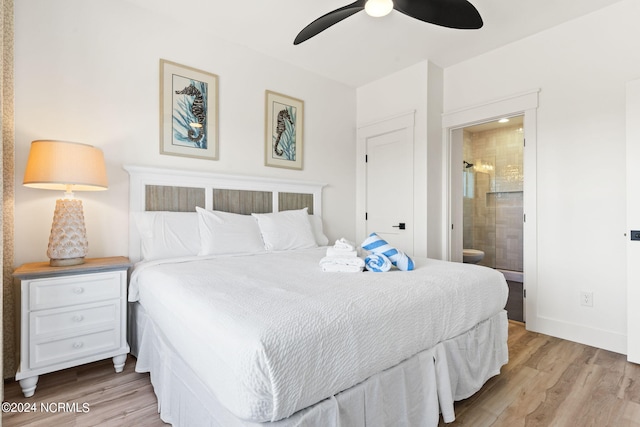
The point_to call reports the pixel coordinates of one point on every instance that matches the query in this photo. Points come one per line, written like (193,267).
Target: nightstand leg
(28,385)
(118,362)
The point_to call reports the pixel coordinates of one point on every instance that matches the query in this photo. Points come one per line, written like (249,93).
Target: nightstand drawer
(72,290)
(74,320)
(47,353)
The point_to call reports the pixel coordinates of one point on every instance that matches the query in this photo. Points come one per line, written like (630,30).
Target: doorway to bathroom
(453,124)
(493,202)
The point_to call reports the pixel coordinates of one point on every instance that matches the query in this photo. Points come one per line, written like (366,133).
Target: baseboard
(594,337)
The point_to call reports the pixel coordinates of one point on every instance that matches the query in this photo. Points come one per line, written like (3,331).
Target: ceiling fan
(458,14)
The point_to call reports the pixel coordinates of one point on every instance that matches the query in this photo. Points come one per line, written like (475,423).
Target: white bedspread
(271,334)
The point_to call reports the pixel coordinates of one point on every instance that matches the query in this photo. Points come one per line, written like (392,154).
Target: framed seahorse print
(284,125)
(188,111)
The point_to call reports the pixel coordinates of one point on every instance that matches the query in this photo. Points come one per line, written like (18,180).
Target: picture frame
(284,131)
(188,111)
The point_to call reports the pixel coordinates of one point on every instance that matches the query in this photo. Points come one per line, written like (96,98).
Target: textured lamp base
(65,262)
(68,239)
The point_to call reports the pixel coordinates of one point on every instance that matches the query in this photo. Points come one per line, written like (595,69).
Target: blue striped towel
(377,263)
(377,245)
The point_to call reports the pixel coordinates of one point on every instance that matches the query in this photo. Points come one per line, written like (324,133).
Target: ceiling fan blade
(331,18)
(458,14)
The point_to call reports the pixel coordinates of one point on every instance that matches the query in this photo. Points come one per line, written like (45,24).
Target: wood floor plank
(529,397)
(630,387)
(547,382)
(631,415)
(507,389)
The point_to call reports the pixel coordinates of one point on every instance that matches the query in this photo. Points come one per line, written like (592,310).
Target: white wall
(581,68)
(417,88)
(87,71)
(435,179)
(633,220)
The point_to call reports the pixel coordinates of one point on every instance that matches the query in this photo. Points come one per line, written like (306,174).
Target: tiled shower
(493,194)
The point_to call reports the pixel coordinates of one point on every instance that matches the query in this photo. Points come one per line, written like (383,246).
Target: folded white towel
(344,244)
(331,251)
(348,265)
(358,262)
(336,268)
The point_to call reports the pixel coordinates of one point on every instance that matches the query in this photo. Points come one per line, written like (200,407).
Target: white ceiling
(361,49)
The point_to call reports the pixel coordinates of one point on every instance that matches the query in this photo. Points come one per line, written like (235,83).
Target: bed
(237,325)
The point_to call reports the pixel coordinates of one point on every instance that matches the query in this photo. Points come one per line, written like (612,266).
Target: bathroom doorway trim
(525,104)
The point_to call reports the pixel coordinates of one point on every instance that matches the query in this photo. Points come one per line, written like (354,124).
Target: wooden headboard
(160,189)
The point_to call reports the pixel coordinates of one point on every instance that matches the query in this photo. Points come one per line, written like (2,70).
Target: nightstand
(71,316)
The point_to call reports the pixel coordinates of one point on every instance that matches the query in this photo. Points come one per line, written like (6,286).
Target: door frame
(391,124)
(525,104)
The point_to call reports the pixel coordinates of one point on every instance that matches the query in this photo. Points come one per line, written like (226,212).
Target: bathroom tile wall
(493,216)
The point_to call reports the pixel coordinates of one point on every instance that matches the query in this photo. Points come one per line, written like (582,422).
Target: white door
(389,186)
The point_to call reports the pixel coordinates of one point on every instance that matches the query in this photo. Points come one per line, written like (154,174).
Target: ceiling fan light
(378,8)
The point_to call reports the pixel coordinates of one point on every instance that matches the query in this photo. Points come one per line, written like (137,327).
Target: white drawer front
(47,353)
(74,320)
(72,290)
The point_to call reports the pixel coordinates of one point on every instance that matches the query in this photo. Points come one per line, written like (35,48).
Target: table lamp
(68,166)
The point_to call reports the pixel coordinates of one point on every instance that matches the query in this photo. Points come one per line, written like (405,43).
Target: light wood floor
(124,399)
(548,382)
(553,382)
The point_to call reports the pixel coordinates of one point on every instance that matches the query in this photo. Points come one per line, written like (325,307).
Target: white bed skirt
(412,393)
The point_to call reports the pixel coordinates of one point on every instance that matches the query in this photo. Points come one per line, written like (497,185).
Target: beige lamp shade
(62,165)
(68,166)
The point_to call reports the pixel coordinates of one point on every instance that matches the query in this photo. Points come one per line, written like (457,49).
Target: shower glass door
(480,207)
(493,193)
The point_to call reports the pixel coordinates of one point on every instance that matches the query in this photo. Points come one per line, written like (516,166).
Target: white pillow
(286,230)
(318,232)
(167,234)
(228,233)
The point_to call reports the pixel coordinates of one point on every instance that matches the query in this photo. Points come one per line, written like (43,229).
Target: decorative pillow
(318,232)
(167,234)
(228,233)
(286,230)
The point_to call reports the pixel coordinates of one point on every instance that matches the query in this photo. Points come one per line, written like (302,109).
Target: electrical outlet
(586,298)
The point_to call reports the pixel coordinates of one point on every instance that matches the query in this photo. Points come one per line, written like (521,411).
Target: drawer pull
(77,345)
(78,318)
(78,291)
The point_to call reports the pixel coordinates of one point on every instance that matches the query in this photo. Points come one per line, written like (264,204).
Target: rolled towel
(378,245)
(343,244)
(377,263)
